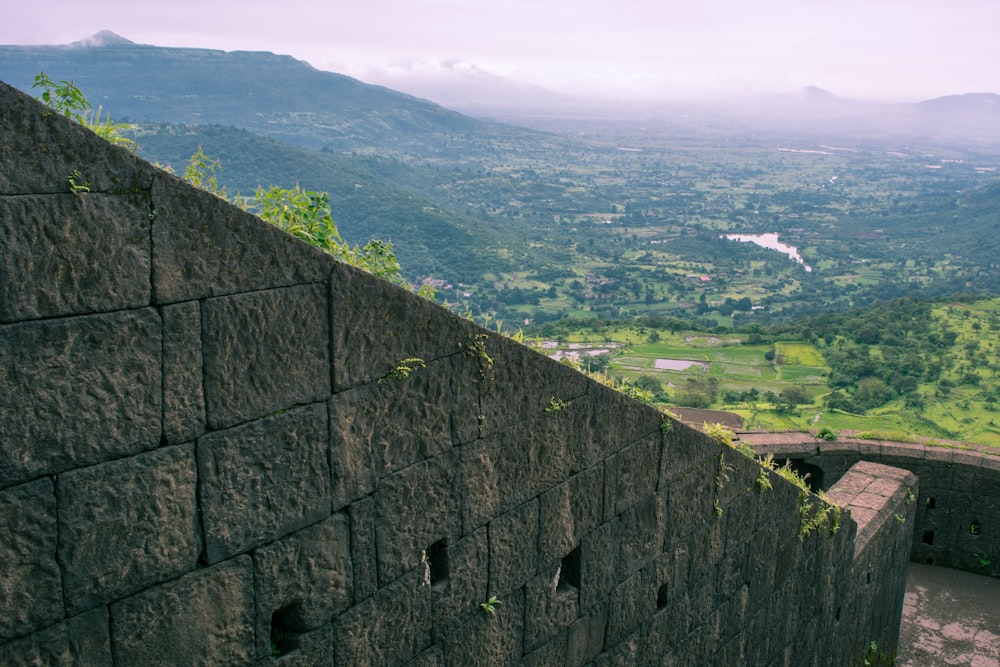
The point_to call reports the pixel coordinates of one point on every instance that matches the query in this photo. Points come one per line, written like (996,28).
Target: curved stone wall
(957,522)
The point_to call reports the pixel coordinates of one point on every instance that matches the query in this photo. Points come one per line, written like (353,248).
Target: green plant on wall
(65,98)
(490,606)
(403,369)
(555,405)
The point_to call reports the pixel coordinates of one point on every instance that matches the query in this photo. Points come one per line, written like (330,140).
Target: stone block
(203,246)
(391,424)
(415,508)
(432,657)
(183,395)
(265,351)
(72,254)
(551,605)
(78,391)
(684,449)
(262,480)
(569,511)
(302,581)
(81,640)
(306,649)
(362,516)
(30,579)
(375,325)
(585,639)
(522,383)
(459,595)
(632,473)
(631,603)
(353,466)
(615,421)
(642,530)
(550,653)
(205,618)
(490,639)
(388,628)
(513,548)
(599,563)
(505,470)
(38,149)
(126,525)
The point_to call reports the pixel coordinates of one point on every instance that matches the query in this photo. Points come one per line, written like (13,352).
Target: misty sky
(880,49)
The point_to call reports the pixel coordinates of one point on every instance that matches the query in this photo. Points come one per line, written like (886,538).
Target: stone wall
(957,522)
(211,452)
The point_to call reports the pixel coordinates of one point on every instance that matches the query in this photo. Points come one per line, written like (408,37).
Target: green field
(960,404)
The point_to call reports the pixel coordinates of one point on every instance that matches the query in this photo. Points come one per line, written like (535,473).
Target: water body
(771,242)
(678,364)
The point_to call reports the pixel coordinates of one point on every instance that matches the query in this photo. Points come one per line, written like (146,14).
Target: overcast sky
(882,49)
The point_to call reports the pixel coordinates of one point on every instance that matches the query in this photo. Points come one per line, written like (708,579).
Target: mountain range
(276,95)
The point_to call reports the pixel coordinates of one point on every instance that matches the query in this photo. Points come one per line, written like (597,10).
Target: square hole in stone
(569,571)
(437,561)
(284,639)
(928,537)
(661,597)
(931,503)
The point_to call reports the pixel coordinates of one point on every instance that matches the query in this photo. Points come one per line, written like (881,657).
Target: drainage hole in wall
(929,560)
(931,503)
(569,571)
(928,537)
(284,640)
(661,597)
(437,562)
(975,528)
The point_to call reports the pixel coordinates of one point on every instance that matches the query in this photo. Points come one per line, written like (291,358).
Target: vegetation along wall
(957,522)
(219,446)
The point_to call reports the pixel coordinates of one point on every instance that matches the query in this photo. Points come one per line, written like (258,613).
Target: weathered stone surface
(127,524)
(490,639)
(307,649)
(39,149)
(513,548)
(599,563)
(569,511)
(30,581)
(388,628)
(362,516)
(632,473)
(77,391)
(263,480)
(375,325)
(183,394)
(303,580)
(550,606)
(81,640)
(203,618)
(387,425)
(505,470)
(71,254)
(616,421)
(416,507)
(631,602)
(461,593)
(522,383)
(204,246)
(643,530)
(265,351)
(586,637)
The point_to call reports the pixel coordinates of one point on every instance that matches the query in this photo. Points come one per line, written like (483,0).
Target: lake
(771,242)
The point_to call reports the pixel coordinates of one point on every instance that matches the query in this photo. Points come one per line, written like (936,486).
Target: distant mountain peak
(817,93)
(103,38)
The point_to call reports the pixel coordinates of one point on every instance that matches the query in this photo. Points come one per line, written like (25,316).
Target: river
(771,242)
